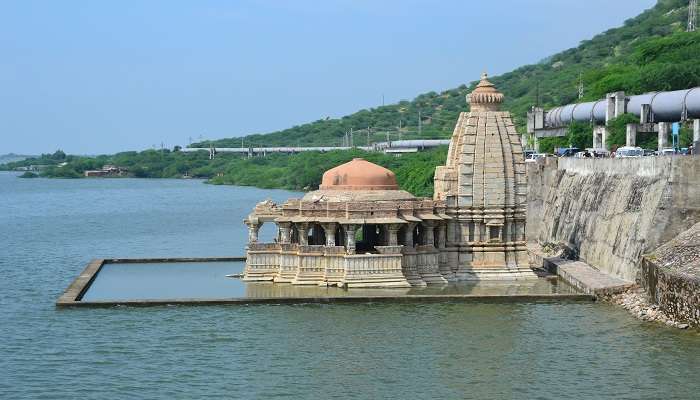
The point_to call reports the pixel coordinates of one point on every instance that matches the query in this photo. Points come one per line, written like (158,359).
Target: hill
(649,52)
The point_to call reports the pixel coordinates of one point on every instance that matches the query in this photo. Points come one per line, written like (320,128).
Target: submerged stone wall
(612,211)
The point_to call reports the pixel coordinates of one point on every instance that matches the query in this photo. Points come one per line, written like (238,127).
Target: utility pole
(420,124)
(399,129)
(580,85)
(382,99)
(368,136)
(692,15)
(352,139)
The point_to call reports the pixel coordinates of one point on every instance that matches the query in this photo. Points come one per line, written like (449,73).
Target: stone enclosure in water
(360,230)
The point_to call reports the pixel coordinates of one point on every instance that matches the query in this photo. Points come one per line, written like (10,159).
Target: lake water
(49,230)
(207,280)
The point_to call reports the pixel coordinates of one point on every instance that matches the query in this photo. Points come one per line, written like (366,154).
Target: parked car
(669,151)
(649,152)
(598,153)
(533,157)
(567,151)
(629,152)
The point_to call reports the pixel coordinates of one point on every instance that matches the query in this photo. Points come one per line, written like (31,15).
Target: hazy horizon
(97,77)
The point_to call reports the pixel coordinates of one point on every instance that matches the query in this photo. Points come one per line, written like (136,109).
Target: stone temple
(484,186)
(360,230)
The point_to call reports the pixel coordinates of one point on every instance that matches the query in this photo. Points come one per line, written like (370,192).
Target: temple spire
(485,96)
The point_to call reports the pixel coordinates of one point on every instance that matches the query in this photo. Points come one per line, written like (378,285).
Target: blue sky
(104,76)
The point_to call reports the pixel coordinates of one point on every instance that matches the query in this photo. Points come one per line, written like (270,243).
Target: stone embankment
(671,276)
(636,302)
(608,213)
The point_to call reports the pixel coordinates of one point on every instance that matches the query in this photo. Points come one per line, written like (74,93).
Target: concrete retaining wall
(612,211)
(678,295)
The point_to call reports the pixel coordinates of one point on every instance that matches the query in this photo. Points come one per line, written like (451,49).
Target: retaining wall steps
(586,278)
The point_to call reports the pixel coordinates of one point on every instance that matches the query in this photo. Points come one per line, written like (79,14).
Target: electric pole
(692,15)
(420,124)
(580,85)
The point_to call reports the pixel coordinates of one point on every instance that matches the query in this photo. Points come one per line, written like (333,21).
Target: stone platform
(270,293)
(585,278)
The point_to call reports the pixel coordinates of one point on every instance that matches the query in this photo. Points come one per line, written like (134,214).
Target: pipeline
(674,106)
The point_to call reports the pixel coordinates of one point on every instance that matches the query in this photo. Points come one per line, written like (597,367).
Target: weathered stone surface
(483,185)
(611,211)
(671,276)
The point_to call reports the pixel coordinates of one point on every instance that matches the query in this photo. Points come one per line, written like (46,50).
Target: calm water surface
(49,229)
(207,280)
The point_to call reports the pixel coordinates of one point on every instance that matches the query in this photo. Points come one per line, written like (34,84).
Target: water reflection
(207,280)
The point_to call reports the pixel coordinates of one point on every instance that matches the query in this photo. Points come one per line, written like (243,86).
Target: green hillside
(649,52)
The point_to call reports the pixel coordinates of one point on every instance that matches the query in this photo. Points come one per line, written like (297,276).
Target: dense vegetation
(295,172)
(414,172)
(649,52)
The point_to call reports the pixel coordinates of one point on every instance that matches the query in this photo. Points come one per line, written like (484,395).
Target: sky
(94,77)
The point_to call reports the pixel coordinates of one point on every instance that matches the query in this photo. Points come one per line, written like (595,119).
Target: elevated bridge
(396,146)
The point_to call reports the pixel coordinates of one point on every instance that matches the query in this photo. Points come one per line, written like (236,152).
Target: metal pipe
(673,106)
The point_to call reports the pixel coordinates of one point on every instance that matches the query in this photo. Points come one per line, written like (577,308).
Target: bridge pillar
(664,130)
(696,137)
(617,105)
(600,136)
(631,135)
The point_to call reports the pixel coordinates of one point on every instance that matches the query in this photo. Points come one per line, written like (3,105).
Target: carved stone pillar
(252,232)
(303,229)
(285,232)
(408,235)
(393,230)
(442,235)
(429,236)
(350,238)
(329,229)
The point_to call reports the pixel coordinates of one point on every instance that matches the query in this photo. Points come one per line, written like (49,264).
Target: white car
(629,152)
(531,158)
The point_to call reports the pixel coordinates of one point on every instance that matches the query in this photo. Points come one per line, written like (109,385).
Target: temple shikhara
(360,230)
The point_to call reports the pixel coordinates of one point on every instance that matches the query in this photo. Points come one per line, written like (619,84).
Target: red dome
(359,174)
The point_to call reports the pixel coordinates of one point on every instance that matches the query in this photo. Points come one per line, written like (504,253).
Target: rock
(682,326)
